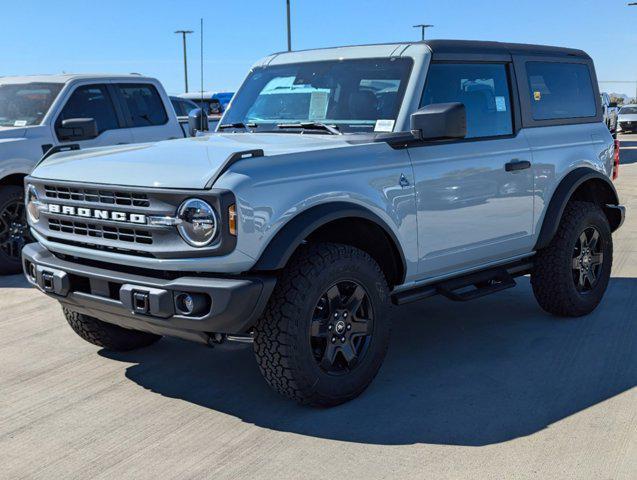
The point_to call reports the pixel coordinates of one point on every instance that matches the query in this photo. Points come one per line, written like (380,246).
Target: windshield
(628,110)
(360,95)
(22,105)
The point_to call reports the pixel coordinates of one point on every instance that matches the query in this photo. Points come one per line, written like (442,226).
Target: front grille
(108,232)
(97,196)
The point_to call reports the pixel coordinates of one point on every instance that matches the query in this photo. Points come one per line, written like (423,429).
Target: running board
(468,287)
(476,285)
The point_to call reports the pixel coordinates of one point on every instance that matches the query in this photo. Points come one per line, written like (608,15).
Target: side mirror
(197,121)
(612,104)
(439,121)
(76,129)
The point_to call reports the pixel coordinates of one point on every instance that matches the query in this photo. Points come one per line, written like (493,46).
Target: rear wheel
(571,274)
(106,335)
(325,331)
(14,231)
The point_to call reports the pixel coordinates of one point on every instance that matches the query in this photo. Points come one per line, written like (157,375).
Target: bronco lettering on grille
(97,214)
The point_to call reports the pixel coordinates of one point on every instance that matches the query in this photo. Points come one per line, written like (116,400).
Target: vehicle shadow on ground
(470,374)
(13,281)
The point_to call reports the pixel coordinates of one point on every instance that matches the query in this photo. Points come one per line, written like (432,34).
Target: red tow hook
(616,160)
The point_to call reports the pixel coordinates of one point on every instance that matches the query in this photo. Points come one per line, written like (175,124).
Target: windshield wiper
(331,129)
(245,126)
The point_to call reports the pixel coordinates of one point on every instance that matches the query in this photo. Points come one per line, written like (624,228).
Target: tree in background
(617,99)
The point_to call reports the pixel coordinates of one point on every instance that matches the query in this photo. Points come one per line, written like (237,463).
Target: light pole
(422,27)
(183,37)
(287,4)
(633,4)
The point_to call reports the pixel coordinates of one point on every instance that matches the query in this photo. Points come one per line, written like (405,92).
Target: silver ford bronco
(338,180)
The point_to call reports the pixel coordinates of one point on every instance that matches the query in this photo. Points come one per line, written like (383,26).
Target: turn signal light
(232,219)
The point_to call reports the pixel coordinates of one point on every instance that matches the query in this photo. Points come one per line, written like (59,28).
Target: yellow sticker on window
(537,96)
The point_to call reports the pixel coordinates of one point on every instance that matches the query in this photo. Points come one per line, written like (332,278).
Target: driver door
(474,195)
(94,101)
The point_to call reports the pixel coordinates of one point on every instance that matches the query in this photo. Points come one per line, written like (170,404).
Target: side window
(560,90)
(177,105)
(91,101)
(483,88)
(145,107)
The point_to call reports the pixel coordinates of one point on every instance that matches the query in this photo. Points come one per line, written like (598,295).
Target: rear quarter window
(560,90)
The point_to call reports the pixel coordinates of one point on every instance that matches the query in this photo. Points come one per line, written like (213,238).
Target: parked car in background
(38,113)
(627,119)
(213,103)
(610,110)
(183,107)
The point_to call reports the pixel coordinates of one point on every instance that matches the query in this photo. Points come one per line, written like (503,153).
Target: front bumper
(228,305)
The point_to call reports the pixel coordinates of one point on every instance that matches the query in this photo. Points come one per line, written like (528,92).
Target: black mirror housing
(76,129)
(439,121)
(197,121)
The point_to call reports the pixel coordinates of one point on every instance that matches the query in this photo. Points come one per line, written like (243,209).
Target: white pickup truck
(41,112)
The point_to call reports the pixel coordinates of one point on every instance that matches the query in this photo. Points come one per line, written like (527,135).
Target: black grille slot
(88,195)
(108,232)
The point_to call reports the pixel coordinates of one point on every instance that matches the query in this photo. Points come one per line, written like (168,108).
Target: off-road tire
(552,277)
(9,194)
(282,337)
(106,335)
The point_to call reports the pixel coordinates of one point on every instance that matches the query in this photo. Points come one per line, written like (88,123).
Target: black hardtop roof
(472,47)
(482,47)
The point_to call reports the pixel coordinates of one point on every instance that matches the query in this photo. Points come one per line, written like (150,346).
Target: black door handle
(517,165)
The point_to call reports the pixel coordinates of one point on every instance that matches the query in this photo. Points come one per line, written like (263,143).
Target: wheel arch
(338,222)
(580,184)
(13,179)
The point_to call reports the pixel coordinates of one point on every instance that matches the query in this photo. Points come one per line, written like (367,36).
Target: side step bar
(468,287)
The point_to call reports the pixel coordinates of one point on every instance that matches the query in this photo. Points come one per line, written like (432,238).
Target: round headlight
(198,224)
(33,204)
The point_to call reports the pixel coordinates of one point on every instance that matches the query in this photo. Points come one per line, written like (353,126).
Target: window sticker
(20,123)
(537,96)
(318,105)
(384,125)
(500,104)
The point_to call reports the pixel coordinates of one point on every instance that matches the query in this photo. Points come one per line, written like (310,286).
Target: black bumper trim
(235,303)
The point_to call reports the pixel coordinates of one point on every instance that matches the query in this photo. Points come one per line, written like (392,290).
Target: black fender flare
(291,235)
(563,193)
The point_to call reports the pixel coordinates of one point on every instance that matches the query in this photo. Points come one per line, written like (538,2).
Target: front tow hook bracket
(141,303)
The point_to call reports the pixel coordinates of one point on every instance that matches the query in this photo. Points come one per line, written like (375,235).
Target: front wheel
(325,331)
(14,231)
(108,336)
(570,276)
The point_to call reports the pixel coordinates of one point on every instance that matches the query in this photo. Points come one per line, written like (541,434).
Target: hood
(12,133)
(187,163)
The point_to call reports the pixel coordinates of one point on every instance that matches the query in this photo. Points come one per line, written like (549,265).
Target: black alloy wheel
(341,327)
(14,230)
(588,258)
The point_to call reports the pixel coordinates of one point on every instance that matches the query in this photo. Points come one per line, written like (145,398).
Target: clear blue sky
(137,35)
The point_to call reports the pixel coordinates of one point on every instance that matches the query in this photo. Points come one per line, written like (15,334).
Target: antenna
(287,3)
(202,104)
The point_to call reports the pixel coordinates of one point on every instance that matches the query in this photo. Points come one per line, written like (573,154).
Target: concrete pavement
(491,389)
